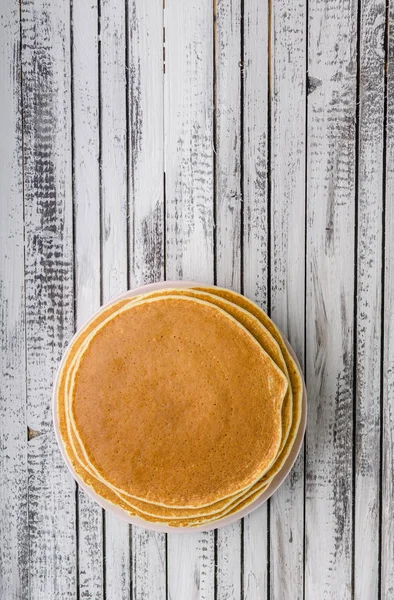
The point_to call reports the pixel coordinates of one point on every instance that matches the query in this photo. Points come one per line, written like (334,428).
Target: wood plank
(330,290)
(227,102)
(146,143)
(14,557)
(146,224)
(86,178)
(49,286)
(189,212)
(114,251)
(288,155)
(368,333)
(387,525)
(255,239)
(228,72)
(188,140)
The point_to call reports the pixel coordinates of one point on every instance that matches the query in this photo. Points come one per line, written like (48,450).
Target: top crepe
(176,403)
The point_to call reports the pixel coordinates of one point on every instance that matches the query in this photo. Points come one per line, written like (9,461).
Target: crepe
(269,344)
(231,502)
(239,398)
(228,506)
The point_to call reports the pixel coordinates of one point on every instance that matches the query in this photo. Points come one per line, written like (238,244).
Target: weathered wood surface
(145,101)
(387,374)
(49,287)
(368,331)
(86,185)
(114,231)
(189,181)
(330,289)
(14,531)
(239,142)
(287,263)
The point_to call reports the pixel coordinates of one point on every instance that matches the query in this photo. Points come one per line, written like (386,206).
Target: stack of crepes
(179,406)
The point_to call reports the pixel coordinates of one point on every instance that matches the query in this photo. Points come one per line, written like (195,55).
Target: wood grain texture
(255,564)
(114,251)
(176,137)
(227,99)
(188,126)
(387,525)
(228,209)
(14,534)
(288,152)
(146,223)
(368,317)
(189,140)
(46,95)
(191,566)
(255,240)
(146,104)
(146,193)
(86,182)
(330,290)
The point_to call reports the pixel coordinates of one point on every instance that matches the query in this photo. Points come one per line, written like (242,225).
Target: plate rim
(276,482)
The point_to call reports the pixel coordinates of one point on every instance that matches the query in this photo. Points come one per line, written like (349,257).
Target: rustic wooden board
(239,142)
(387,406)
(46,91)
(332,70)
(14,551)
(255,236)
(287,265)
(228,210)
(86,185)
(146,222)
(114,233)
(188,130)
(368,316)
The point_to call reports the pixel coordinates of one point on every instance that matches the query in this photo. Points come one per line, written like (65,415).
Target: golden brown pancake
(71,443)
(233,506)
(272,348)
(131,379)
(214,507)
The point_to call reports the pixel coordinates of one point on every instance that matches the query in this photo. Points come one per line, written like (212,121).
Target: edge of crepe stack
(264,330)
(161,509)
(252,326)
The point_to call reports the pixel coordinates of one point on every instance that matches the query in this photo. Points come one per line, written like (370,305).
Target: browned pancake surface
(176,403)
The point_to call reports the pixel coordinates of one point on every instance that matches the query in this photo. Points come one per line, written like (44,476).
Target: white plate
(276,482)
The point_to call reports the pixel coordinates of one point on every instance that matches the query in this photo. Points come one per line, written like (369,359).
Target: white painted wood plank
(368,333)
(146,142)
(255,152)
(255,237)
(255,579)
(288,155)
(113,148)
(229,561)
(228,73)
(14,558)
(227,90)
(146,224)
(86,180)
(149,565)
(114,235)
(49,286)
(191,566)
(330,291)
(189,139)
(189,204)
(387,532)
